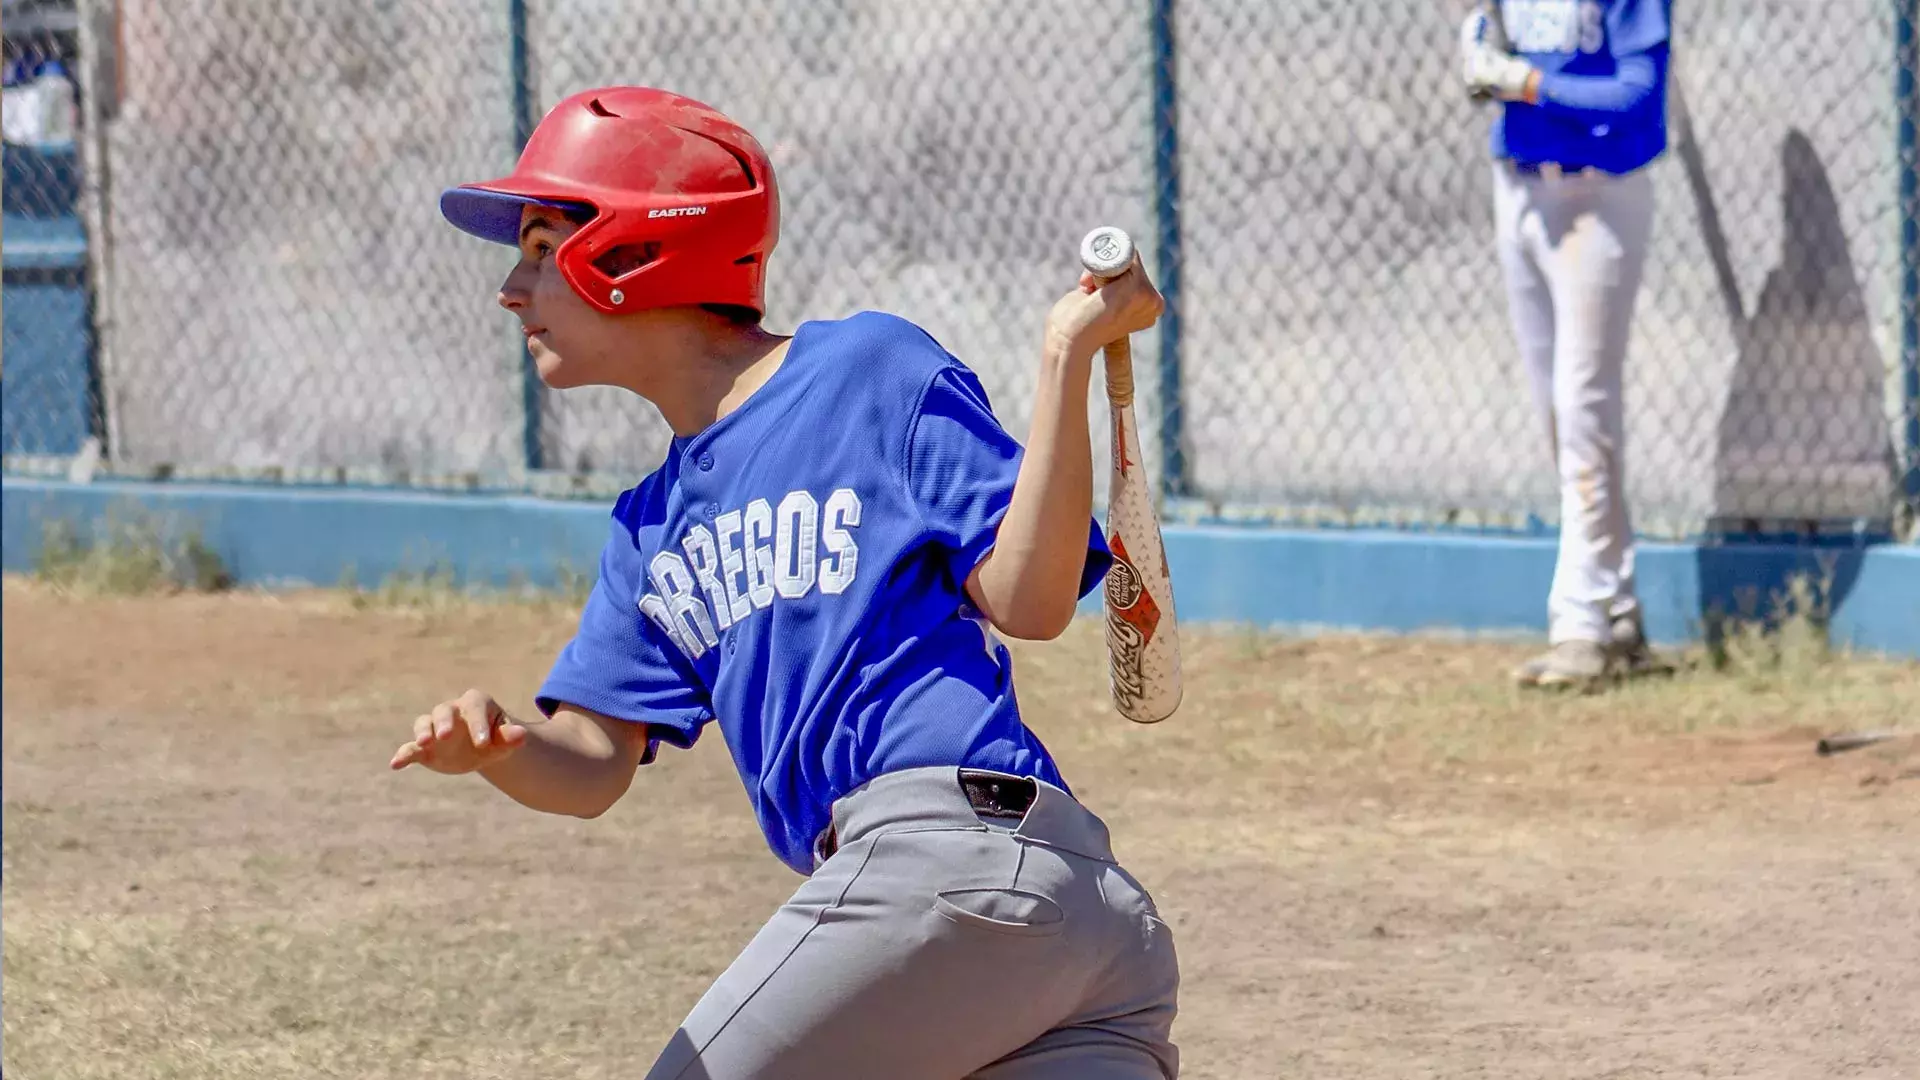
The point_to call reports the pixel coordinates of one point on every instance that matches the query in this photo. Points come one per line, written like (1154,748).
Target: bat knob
(1106,252)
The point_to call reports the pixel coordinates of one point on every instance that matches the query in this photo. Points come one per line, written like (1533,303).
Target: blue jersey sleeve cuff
(1099,560)
(676,727)
(1092,572)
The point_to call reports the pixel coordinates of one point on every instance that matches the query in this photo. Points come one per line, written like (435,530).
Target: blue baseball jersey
(1575,44)
(796,572)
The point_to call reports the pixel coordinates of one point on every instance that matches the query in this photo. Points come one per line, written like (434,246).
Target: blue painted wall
(1382,581)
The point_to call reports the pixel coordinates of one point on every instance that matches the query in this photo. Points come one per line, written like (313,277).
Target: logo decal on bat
(1106,247)
(1127,594)
(1132,617)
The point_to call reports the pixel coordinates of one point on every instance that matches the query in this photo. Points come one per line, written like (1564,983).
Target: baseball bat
(1854,740)
(1143,640)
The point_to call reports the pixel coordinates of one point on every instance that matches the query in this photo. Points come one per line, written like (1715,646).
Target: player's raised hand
(460,736)
(1096,313)
(1487,65)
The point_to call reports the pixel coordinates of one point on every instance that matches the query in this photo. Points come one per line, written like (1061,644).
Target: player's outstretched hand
(460,736)
(1096,314)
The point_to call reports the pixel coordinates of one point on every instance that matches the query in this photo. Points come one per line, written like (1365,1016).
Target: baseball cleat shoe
(1570,665)
(1632,656)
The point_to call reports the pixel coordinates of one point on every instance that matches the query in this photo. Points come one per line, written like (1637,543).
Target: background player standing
(818,568)
(1583,86)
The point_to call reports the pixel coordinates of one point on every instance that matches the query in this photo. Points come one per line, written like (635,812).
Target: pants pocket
(1002,911)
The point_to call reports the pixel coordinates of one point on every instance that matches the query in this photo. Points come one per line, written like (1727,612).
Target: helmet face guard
(683,201)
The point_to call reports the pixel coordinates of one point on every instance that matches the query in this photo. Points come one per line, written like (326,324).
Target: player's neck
(697,376)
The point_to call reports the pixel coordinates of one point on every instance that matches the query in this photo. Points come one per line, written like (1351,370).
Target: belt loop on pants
(991,794)
(1550,170)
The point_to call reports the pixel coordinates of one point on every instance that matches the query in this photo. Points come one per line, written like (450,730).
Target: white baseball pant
(937,944)
(1571,249)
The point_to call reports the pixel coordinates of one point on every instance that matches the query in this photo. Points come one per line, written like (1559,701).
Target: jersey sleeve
(1600,99)
(1638,26)
(619,664)
(961,466)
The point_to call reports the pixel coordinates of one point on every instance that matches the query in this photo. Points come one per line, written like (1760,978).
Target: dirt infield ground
(1378,860)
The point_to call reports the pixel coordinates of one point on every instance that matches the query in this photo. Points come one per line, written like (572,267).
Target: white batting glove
(1488,29)
(1486,67)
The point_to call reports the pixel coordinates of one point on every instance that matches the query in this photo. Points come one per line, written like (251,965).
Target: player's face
(572,344)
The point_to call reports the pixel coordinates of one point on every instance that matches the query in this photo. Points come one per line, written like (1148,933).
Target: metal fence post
(1166,179)
(1907,110)
(532,393)
(97,36)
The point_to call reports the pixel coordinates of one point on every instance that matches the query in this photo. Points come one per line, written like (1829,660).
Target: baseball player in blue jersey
(1583,90)
(818,569)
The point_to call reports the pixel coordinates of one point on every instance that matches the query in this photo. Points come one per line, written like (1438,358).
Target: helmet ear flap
(619,261)
(579,263)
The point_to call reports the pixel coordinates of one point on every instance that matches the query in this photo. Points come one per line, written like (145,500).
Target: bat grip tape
(1120,372)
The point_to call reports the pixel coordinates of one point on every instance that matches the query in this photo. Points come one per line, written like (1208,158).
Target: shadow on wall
(1773,585)
(1804,436)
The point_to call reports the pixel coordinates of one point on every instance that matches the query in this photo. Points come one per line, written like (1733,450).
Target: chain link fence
(47,390)
(229,263)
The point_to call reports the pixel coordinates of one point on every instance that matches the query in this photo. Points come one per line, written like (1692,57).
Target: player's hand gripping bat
(1143,643)
(1483,41)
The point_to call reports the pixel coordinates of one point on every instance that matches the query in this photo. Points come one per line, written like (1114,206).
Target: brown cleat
(1570,665)
(1632,657)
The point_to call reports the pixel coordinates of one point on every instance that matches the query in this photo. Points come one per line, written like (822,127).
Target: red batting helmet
(684,205)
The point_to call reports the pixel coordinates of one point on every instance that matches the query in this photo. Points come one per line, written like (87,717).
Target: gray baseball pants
(1571,250)
(939,942)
